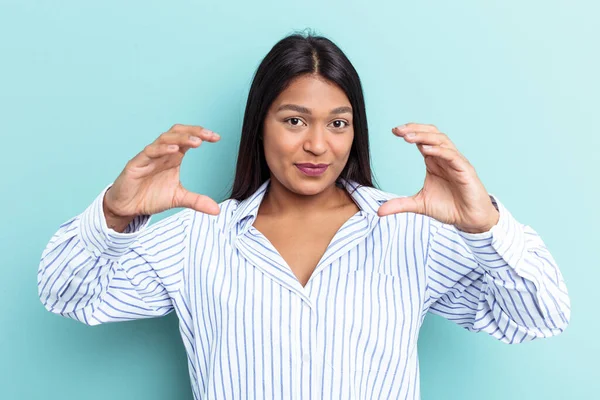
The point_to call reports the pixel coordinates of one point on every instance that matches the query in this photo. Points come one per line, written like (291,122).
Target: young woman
(308,282)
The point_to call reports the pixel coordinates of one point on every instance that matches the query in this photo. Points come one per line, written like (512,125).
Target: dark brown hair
(293,56)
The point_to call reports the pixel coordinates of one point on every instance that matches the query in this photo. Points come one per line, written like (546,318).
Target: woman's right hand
(150,183)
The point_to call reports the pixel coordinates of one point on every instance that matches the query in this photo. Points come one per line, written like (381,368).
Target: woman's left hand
(452,192)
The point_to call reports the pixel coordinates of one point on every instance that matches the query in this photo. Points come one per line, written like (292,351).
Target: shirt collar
(368,200)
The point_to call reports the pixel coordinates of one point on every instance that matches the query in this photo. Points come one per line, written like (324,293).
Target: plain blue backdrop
(84,86)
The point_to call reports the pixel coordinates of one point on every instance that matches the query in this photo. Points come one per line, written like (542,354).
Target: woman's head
(305,106)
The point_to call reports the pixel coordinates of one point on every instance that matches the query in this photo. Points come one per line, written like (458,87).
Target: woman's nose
(315,141)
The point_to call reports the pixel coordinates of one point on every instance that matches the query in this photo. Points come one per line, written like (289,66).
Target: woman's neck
(279,200)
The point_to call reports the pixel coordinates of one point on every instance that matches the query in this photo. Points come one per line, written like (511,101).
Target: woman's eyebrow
(342,110)
(304,110)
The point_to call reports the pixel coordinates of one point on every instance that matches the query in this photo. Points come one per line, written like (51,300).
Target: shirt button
(306,357)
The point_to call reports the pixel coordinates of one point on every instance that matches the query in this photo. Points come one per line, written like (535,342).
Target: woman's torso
(250,326)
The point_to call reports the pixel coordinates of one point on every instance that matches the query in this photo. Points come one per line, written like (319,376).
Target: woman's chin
(310,186)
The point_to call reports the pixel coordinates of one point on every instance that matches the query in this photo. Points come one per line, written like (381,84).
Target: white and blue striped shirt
(251,330)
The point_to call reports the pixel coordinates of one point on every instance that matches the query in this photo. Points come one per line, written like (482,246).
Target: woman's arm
(96,274)
(93,274)
(503,282)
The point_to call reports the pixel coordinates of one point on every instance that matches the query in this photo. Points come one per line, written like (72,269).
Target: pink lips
(312,169)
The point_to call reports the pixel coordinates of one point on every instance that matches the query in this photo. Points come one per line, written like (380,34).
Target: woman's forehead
(313,93)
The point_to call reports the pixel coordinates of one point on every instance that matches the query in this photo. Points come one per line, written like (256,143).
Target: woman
(308,282)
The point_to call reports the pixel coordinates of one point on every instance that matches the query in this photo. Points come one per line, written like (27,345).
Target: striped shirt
(251,330)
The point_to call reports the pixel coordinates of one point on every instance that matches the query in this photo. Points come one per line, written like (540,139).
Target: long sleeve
(503,282)
(90,273)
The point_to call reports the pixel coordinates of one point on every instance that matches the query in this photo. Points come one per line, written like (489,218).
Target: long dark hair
(291,57)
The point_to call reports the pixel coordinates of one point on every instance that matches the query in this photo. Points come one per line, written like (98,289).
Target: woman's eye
(294,121)
(339,124)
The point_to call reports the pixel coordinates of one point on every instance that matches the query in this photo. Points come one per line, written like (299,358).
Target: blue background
(85,85)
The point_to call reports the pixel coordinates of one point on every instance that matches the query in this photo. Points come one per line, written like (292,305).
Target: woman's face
(308,135)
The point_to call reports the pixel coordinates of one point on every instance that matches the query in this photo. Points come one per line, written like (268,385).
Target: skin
(309,122)
(300,214)
(452,192)
(321,132)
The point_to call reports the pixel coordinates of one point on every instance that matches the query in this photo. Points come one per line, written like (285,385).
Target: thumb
(400,205)
(198,202)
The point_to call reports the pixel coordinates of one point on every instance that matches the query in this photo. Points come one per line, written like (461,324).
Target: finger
(202,133)
(157,150)
(151,153)
(169,143)
(413,126)
(198,202)
(399,205)
(184,140)
(452,157)
(430,138)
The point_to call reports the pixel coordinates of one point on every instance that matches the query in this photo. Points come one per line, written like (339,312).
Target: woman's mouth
(312,169)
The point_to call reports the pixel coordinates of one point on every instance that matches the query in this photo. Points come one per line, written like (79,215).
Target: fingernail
(195,139)
(216,135)
(173,147)
(411,135)
(401,127)
(427,147)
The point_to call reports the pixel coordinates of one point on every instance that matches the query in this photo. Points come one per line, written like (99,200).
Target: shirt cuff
(505,239)
(103,241)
